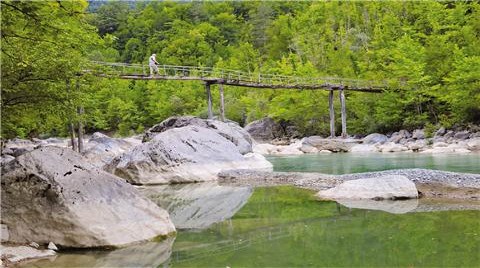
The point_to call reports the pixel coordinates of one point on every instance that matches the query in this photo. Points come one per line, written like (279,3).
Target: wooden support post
(222,103)
(80,124)
(332,113)
(209,100)
(344,113)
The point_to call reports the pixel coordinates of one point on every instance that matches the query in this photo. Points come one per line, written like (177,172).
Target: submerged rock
(186,154)
(379,188)
(54,195)
(197,206)
(229,130)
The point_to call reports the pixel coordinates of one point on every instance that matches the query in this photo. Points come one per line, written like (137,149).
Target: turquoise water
(287,227)
(344,163)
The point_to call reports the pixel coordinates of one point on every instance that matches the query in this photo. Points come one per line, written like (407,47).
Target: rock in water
(385,187)
(53,194)
(186,154)
(229,130)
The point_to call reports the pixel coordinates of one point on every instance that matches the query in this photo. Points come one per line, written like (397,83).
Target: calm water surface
(286,227)
(344,163)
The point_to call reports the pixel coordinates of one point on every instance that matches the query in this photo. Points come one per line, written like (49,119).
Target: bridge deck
(233,77)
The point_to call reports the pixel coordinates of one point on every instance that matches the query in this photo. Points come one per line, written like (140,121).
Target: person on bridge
(152,62)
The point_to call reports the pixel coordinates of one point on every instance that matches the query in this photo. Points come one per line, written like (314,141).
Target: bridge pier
(332,113)
(222,103)
(344,113)
(209,100)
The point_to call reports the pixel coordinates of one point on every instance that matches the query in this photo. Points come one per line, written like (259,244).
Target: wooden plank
(344,113)
(238,83)
(222,103)
(332,114)
(209,100)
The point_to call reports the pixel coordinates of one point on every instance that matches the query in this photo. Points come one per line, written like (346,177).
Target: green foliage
(427,54)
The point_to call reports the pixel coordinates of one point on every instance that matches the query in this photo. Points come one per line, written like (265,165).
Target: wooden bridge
(210,76)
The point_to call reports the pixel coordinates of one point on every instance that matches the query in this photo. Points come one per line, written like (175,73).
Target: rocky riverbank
(430,183)
(271,139)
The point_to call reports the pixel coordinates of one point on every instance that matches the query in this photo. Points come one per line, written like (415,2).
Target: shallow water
(344,163)
(287,227)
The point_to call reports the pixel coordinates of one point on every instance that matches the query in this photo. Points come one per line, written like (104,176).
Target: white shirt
(152,60)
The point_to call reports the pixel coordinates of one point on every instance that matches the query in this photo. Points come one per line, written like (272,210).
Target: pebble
(52,246)
(34,245)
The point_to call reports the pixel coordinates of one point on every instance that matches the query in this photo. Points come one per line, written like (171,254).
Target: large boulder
(462,135)
(265,129)
(186,154)
(101,149)
(364,148)
(392,187)
(229,130)
(400,135)
(198,205)
(334,145)
(54,195)
(418,134)
(391,147)
(375,138)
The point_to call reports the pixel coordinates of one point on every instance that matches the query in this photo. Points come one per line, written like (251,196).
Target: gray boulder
(198,205)
(186,154)
(418,134)
(400,135)
(375,138)
(101,149)
(449,134)
(54,195)
(462,135)
(334,145)
(440,132)
(229,130)
(379,188)
(265,129)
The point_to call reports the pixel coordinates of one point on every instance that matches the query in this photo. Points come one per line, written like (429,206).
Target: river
(226,226)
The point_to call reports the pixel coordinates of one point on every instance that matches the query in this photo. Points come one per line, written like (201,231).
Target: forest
(428,53)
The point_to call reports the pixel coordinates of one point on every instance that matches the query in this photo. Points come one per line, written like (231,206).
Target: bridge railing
(231,76)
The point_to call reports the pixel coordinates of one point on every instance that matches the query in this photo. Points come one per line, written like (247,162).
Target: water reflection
(199,205)
(149,254)
(395,207)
